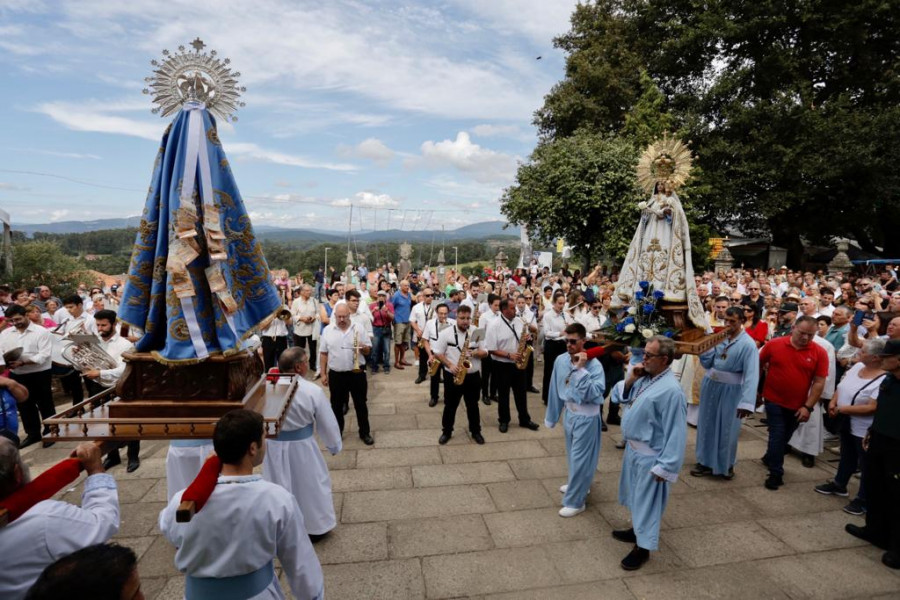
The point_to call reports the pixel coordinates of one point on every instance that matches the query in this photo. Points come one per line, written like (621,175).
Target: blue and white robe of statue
(655,428)
(581,392)
(729,385)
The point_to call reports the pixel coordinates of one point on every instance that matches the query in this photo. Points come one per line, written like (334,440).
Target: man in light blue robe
(727,395)
(578,384)
(655,429)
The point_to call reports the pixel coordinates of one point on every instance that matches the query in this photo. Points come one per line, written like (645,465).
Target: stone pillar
(841,262)
(724,260)
(500,260)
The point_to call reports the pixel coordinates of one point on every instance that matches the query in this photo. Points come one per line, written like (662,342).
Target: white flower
(632,310)
(629,328)
(647,333)
(642,205)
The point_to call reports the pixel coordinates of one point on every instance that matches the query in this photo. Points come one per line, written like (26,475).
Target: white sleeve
(298,559)
(94,523)
(326,422)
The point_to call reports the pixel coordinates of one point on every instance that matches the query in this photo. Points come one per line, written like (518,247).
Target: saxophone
(524,350)
(464,364)
(433,365)
(475,315)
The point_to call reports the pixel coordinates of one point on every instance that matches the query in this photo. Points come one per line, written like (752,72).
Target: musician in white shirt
(487,313)
(524,312)
(447,349)
(343,348)
(31,369)
(74,320)
(304,310)
(274,339)
(502,341)
(593,320)
(422,313)
(431,331)
(555,322)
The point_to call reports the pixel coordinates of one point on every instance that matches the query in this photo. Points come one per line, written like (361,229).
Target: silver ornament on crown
(194,76)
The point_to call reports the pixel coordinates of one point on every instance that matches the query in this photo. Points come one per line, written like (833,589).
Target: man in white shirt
(304,310)
(487,312)
(343,348)
(227,548)
(274,339)
(502,341)
(31,369)
(554,323)
(420,315)
(51,529)
(524,312)
(98,380)
(74,319)
(432,329)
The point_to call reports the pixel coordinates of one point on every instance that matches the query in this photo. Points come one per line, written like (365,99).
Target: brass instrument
(85,354)
(524,350)
(433,365)
(475,315)
(464,364)
(356,367)
(285,314)
(420,343)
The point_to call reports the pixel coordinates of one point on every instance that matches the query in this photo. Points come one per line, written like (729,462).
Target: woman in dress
(753,323)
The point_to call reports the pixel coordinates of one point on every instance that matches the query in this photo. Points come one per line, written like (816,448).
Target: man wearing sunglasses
(655,430)
(577,384)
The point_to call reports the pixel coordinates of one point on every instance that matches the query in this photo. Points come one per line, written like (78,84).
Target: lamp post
(455,261)
(326,265)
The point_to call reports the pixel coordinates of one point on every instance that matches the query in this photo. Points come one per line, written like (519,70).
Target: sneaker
(856,508)
(830,488)
(566,512)
(564,488)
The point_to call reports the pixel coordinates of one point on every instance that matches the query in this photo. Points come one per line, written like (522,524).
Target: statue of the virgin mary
(660,252)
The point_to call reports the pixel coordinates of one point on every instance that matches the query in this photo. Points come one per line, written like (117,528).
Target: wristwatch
(808,409)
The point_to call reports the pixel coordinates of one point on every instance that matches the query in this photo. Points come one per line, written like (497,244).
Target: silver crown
(189,76)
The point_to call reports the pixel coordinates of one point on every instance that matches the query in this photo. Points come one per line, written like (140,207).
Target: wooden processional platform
(153,401)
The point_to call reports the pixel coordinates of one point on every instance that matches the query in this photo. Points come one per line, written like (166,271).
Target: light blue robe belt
(295,435)
(193,443)
(726,376)
(239,587)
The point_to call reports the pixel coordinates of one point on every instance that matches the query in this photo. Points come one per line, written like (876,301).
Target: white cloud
(11,187)
(503,131)
(368,200)
(540,20)
(370,148)
(254,152)
(75,155)
(481,164)
(58,215)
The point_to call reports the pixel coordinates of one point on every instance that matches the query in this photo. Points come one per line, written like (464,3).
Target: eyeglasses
(748,309)
(650,355)
(572,342)
(429,295)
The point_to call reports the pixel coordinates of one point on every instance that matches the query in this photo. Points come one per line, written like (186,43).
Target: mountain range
(482,230)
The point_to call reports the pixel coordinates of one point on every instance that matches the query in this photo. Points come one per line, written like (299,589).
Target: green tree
(44,263)
(581,188)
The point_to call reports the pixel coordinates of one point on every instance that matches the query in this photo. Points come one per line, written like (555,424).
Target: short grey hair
(875,346)
(290,358)
(9,460)
(844,309)
(666,347)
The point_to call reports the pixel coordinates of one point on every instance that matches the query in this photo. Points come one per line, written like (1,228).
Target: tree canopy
(791,107)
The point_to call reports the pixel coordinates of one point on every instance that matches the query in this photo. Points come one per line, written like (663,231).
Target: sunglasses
(429,295)
(571,342)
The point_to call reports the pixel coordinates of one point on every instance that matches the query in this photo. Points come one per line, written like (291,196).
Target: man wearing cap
(382,318)
(882,446)
(787,314)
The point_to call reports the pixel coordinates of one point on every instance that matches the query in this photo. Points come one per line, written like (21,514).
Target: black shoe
(808,461)
(530,425)
(728,476)
(534,390)
(625,535)
(863,534)
(486,400)
(504,427)
(346,408)
(420,379)
(479,439)
(386,370)
(891,560)
(701,470)
(28,441)
(613,421)
(445,437)
(603,426)
(774,482)
(367,439)
(47,444)
(133,465)
(635,559)
(433,402)
(765,460)
(112,460)
(315,538)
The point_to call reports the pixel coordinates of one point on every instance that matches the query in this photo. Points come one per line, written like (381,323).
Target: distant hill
(484,230)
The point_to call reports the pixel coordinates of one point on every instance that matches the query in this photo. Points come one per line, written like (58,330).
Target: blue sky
(423,108)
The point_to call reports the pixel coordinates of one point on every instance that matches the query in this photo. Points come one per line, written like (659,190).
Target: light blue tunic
(657,424)
(583,387)
(718,426)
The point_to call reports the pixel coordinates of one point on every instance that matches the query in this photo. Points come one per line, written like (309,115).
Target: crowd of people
(818,354)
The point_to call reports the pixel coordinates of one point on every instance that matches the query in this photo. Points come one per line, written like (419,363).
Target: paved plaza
(419,520)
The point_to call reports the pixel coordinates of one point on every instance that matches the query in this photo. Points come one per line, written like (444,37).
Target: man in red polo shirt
(796,369)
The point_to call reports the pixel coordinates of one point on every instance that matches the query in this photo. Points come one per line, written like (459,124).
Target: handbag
(842,421)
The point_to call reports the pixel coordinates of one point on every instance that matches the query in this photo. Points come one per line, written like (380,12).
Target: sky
(416,114)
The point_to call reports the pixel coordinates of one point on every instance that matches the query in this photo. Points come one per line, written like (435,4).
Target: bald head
(342,315)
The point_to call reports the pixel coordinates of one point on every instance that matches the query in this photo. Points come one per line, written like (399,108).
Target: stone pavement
(419,520)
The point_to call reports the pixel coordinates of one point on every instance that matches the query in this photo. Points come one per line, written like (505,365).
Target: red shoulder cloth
(41,488)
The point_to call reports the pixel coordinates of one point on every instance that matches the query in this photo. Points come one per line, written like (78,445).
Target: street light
(455,261)
(326,264)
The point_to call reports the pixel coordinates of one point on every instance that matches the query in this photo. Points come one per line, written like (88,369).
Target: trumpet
(356,367)
(464,364)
